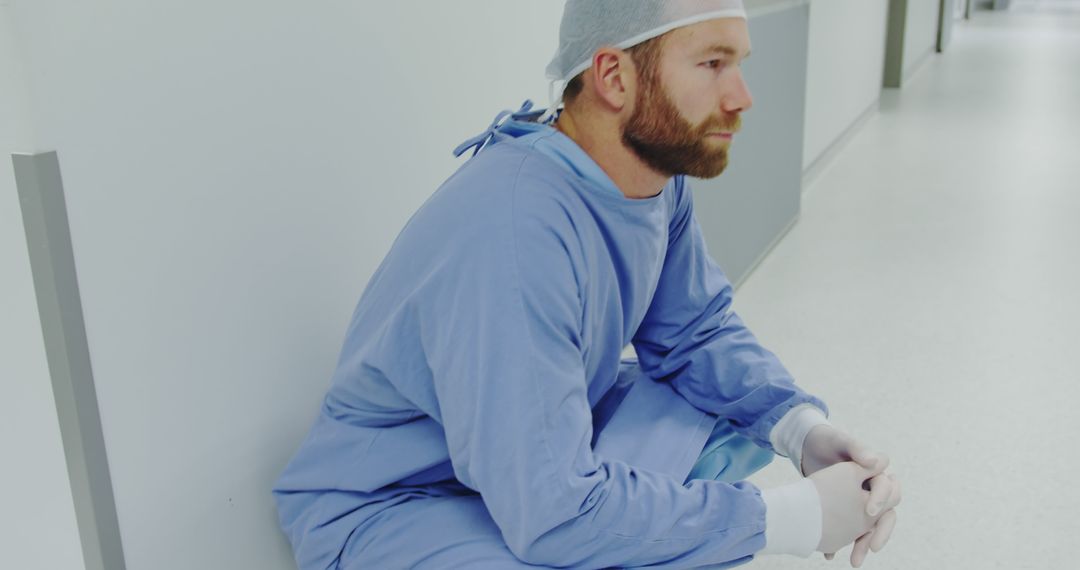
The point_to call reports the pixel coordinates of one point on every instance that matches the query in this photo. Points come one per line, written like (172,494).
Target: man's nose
(737,98)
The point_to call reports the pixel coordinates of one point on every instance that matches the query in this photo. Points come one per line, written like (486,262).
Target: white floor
(930,293)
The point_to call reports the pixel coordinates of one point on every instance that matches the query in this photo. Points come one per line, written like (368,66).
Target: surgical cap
(589,25)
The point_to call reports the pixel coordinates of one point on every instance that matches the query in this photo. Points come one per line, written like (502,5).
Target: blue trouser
(641,422)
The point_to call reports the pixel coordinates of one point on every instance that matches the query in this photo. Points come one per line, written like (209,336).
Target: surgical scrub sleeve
(480,348)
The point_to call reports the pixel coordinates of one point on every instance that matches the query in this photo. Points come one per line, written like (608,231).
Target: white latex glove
(874,540)
(843,505)
(825,446)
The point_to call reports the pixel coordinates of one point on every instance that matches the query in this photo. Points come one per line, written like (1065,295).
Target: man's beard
(661,137)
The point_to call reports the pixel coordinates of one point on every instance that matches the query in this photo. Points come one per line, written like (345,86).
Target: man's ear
(613,78)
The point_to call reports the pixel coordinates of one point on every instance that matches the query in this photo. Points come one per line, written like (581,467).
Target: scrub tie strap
(481,140)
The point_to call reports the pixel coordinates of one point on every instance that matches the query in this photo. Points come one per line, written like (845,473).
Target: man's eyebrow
(724,49)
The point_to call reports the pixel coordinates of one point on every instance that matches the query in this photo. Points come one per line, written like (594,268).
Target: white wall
(845,64)
(920,32)
(234,173)
(38,529)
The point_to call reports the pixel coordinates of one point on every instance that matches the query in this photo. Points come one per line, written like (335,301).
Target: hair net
(589,25)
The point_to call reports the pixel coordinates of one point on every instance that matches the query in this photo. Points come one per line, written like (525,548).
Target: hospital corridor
(258,297)
(929,290)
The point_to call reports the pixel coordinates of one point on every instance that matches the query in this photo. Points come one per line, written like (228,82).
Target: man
(480,415)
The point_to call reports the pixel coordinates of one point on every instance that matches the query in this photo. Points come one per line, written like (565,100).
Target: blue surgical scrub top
(488,334)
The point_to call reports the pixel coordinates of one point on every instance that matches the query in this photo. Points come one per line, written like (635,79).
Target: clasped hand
(857,497)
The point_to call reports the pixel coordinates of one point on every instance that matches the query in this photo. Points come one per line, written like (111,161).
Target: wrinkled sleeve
(505,350)
(691,337)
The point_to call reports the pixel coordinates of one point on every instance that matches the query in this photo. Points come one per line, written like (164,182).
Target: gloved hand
(825,445)
(843,504)
(873,540)
(881,490)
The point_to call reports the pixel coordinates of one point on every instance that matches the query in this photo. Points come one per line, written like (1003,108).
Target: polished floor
(930,293)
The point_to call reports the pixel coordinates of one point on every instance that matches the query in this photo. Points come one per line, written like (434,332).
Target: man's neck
(603,143)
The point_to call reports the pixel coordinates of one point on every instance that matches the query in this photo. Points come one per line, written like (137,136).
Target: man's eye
(714,64)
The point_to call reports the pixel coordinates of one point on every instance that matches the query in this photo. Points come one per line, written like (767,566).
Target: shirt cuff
(792,519)
(788,435)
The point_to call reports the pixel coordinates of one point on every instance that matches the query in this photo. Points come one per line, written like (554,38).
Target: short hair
(645,56)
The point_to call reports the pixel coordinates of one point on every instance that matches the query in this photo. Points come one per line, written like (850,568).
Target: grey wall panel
(914,34)
(842,82)
(945,23)
(41,197)
(747,209)
(894,44)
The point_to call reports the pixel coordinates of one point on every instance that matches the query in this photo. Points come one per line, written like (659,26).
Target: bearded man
(482,414)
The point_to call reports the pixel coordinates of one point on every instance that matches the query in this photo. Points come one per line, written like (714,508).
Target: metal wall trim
(52,262)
